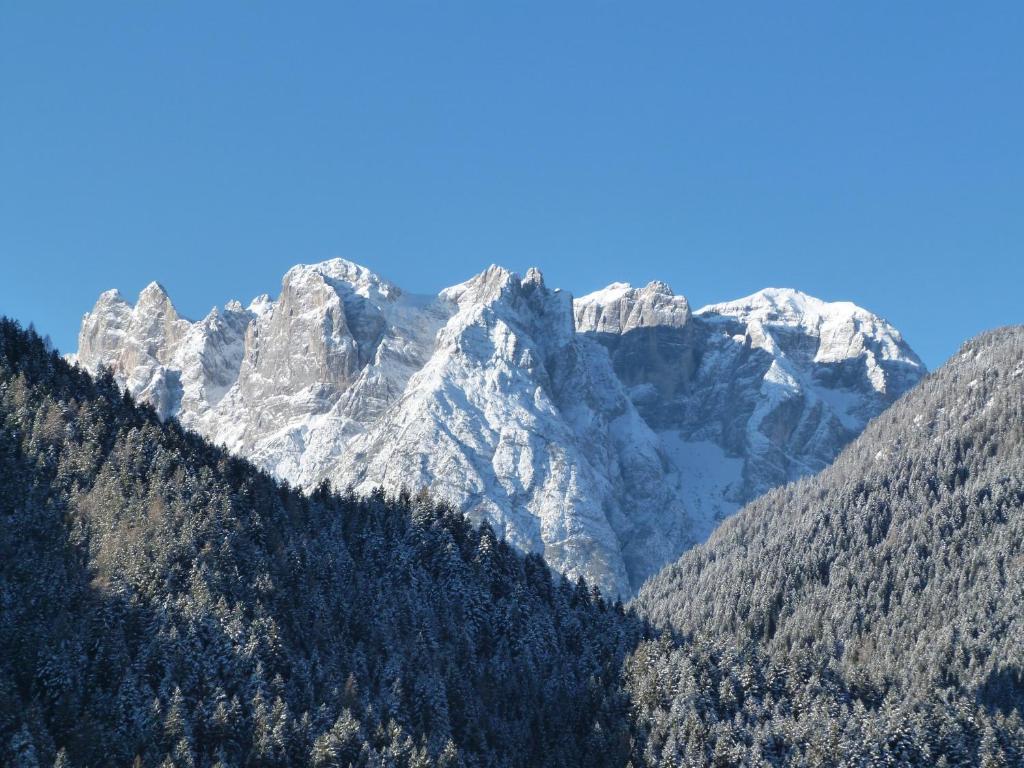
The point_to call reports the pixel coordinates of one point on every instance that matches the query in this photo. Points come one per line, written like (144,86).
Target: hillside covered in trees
(163,603)
(900,569)
(162,600)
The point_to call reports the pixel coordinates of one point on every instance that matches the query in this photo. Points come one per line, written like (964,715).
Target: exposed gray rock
(609,435)
(749,394)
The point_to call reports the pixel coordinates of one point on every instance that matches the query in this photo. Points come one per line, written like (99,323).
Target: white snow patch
(606,295)
(706,477)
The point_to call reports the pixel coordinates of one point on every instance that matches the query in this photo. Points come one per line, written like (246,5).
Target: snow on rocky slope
(609,433)
(748,394)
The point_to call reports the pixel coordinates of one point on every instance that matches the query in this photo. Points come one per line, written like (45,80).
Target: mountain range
(609,433)
(165,603)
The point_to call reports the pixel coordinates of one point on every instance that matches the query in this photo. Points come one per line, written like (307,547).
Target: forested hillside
(900,569)
(162,600)
(163,603)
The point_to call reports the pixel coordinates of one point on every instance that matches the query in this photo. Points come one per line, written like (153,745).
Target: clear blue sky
(863,151)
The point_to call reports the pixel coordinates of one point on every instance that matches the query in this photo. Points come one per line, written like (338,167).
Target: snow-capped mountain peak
(620,308)
(482,287)
(609,433)
(154,292)
(346,276)
(842,332)
(789,306)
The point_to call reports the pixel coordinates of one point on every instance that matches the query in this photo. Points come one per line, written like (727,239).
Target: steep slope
(749,394)
(163,603)
(141,341)
(320,364)
(609,436)
(520,420)
(903,561)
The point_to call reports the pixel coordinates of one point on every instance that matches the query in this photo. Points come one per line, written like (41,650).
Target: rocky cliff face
(609,434)
(749,394)
(518,418)
(648,333)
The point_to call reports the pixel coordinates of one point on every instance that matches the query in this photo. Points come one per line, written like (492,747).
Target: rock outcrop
(610,433)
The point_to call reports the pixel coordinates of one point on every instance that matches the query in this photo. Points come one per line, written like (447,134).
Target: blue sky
(863,151)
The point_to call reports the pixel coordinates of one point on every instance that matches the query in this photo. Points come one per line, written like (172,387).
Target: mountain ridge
(597,431)
(190,610)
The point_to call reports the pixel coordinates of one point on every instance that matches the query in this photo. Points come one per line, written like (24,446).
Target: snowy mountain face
(609,434)
(748,394)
